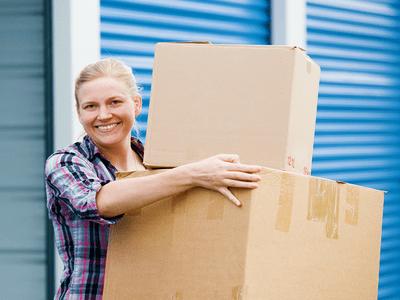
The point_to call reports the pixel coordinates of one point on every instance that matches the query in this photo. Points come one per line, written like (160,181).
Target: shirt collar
(92,149)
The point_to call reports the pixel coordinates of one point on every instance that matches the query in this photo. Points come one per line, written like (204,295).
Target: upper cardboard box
(256,101)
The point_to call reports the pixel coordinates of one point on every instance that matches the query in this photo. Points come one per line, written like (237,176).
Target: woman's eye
(90,106)
(115,102)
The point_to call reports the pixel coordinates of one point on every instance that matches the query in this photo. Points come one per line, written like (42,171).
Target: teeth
(106,127)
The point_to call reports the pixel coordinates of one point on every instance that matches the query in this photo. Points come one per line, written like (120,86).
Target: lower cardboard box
(295,237)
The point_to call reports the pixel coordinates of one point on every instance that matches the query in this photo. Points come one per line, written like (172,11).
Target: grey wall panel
(23,237)
(20,93)
(22,275)
(22,159)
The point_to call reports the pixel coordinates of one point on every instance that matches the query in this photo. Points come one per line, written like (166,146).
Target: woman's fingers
(231,158)
(225,167)
(228,194)
(243,176)
(232,173)
(233,164)
(243,168)
(223,171)
(250,184)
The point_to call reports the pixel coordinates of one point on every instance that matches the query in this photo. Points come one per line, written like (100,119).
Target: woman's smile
(107,128)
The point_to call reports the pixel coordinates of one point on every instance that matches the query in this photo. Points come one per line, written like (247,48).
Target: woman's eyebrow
(115,98)
(87,101)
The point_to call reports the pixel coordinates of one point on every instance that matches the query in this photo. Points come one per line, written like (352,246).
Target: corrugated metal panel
(23,254)
(130,29)
(357,139)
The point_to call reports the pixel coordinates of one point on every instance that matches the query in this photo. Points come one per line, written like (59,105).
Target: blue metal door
(356,43)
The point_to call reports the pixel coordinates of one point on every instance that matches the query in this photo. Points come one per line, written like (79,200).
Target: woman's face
(107,111)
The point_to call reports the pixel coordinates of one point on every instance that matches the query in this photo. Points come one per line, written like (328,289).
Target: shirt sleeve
(71,178)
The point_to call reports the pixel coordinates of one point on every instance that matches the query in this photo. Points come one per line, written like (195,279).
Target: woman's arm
(215,173)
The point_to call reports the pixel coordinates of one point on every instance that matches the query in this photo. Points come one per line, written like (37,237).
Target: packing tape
(352,205)
(323,205)
(240,292)
(285,203)
(332,219)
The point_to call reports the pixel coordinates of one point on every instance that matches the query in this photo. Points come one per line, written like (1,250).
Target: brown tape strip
(352,205)
(215,206)
(316,205)
(332,218)
(240,293)
(285,204)
(178,200)
(323,205)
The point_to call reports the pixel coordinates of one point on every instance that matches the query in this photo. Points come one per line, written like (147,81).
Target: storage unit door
(131,28)
(24,259)
(357,139)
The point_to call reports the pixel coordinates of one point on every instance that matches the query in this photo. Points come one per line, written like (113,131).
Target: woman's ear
(138,105)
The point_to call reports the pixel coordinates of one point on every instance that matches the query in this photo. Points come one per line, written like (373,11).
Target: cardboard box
(295,237)
(256,101)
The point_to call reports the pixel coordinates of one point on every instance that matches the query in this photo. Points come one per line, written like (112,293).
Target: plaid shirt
(73,177)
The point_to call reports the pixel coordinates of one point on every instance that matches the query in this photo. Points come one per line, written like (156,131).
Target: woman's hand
(222,171)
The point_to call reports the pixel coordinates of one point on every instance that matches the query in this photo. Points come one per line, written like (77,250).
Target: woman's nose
(104,113)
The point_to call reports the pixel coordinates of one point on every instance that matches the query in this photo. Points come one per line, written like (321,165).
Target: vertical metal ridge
(49,139)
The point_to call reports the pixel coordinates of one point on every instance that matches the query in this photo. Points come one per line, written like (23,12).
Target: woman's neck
(123,158)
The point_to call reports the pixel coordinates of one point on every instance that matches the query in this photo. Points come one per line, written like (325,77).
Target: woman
(83,197)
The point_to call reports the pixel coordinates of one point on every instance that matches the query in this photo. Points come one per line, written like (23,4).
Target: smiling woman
(107,113)
(83,197)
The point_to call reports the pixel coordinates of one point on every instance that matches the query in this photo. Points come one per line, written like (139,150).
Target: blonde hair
(112,68)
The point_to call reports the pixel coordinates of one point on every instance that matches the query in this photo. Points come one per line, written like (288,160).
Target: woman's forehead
(103,87)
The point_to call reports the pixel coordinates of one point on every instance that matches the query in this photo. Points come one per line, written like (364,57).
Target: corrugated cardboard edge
(289,47)
(289,126)
(288,155)
(189,42)
(302,49)
(149,134)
